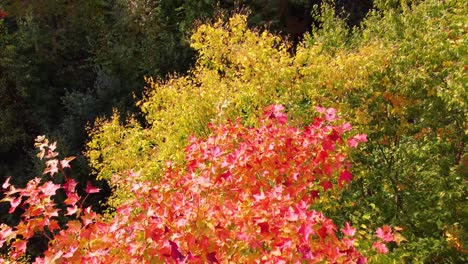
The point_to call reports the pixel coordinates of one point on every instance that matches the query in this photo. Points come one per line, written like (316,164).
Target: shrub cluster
(244,195)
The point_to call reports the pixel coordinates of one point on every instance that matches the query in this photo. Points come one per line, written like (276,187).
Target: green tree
(15,123)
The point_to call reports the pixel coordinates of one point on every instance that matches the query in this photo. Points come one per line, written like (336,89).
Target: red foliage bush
(245,195)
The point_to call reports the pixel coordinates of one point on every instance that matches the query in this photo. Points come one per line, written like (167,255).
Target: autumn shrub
(400,77)
(245,195)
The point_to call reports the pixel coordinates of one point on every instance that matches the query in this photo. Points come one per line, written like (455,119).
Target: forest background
(77,71)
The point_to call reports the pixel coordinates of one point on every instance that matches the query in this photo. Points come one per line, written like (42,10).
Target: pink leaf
(348,230)
(259,197)
(71,210)
(6,233)
(91,189)
(6,184)
(354,141)
(320,109)
(51,167)
(50,152)
(276,112)
(291,215)
(380,247)
(49,188)
(306,230)
(330,114)
(349,242)
(203,181)
(65,163)
(88,216)
(215,152)
(14,203)
(70,252)
(70,186)
(361,137)
(385,233)
(136,186)
(181,222)
(346,127)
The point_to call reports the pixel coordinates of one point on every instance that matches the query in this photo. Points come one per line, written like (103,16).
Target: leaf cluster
(244,195)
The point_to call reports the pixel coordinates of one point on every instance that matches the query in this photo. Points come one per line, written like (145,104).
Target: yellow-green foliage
(130,141)
(238,72)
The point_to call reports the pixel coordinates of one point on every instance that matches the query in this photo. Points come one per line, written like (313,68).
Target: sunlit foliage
(400,77)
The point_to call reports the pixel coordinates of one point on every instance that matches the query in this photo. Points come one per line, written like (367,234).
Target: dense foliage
(244,196)
(66,62)
(399,77)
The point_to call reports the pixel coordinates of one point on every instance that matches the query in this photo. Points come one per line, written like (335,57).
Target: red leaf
(261,180)
(326,185)
(53,225)
(175,253)
(70,185)
(88,217)
(20,246)
(211,257)
(72,199)
(345,176)
(362,260)
(314,194)
(264,228)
